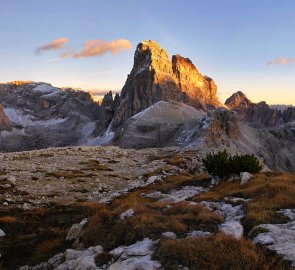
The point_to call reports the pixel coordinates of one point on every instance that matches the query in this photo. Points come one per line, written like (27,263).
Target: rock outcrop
(154,77)
(223,126)
(4,120)
(237,101)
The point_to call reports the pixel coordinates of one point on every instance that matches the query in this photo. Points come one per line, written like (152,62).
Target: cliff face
(4,120)
(193,83)
(154,77)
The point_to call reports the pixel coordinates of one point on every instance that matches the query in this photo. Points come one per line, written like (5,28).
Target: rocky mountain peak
(154,77)
(238,100)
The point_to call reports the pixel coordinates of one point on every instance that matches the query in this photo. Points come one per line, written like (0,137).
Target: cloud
(281,61)
(92,48)
(53,45)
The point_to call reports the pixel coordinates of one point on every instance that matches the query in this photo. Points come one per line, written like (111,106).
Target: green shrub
(222,164)
(217,164)
(244,163)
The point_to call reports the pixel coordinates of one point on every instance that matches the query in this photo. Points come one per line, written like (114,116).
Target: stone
(175,195)
(263,239)
(196,234)
(2,233)
(11,179)
(170,235)
(136,263)
(232,228)
(75,231)
(153,179)
(245,177)
(128,213)
(279,238)
(136,256)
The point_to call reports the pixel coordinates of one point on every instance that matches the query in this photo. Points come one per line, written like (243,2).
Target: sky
(243,45)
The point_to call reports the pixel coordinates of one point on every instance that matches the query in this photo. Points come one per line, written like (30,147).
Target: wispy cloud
(52,60)
(53,45)
(280,60)
(92,48)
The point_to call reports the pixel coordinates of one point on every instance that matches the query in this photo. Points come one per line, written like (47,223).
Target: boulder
(245,177)
(128,213)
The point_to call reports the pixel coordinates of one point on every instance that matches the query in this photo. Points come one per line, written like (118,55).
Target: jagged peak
(238,100)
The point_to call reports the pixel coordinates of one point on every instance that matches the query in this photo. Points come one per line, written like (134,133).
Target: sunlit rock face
(193,83)
(238,100)
(154,77)
(4,120)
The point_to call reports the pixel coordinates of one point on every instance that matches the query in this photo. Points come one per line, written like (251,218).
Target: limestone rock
(128,213)
(245,177)
(2,233)
(170,235)
(75,232)
(280,238)
(233,228)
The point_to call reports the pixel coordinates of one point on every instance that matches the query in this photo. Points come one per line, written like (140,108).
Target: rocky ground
(139,210)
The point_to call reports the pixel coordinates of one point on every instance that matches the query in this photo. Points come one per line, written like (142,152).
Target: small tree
(244,163)
(217,164)
(222,164)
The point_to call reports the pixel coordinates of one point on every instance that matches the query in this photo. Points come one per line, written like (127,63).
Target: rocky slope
(127,203)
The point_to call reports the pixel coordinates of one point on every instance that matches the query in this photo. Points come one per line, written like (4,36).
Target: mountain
(154,77)
(259,114)
(41,116)
(164,102)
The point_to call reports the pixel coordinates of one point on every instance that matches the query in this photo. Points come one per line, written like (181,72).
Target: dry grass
(150,220)
(95,165)
(219,252)
(66,174)
(268,192)
(8,219)
(48,247)
(178,181)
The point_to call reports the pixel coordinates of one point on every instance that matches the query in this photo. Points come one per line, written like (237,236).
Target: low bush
(222,164)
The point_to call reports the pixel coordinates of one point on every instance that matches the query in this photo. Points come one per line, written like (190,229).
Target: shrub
(222,164)
(244,163)
(217,164)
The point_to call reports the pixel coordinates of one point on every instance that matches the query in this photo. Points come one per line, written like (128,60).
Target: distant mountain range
(164,102)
